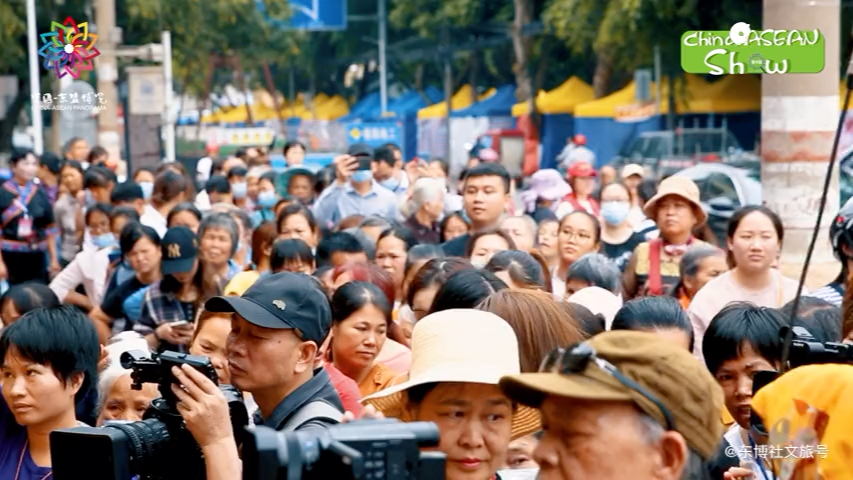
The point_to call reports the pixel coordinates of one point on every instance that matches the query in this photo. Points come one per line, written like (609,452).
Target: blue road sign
(375,133)
(316,15)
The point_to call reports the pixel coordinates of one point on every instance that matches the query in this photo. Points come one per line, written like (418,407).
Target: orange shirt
(378,378)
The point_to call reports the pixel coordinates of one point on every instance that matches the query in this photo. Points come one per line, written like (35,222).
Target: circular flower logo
(68,48)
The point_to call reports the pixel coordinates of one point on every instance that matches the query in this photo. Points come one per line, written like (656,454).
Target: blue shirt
(261,216)
(13,439)
(340,201)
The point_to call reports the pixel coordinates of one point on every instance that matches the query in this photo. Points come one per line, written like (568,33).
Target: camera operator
(276,329)
(50,359)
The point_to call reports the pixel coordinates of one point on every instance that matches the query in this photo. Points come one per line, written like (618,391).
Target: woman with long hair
(754,238)
(68,211)
(140,247)
(262,243)
(171,305)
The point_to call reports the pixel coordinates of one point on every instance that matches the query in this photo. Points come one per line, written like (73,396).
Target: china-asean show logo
(68,48)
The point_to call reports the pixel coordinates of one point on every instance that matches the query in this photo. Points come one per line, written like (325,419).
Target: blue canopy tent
(403,109)
(498,104)
(365,107)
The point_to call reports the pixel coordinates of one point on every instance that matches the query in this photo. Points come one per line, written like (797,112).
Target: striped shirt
(832,293)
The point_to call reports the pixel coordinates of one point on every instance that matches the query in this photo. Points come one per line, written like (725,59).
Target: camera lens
(149,441)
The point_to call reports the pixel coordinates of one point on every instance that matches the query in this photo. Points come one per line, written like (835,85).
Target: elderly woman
(593,270)
(453,382)
(219,240)
(654,265)
(427,206)
(698,266)
(118,401)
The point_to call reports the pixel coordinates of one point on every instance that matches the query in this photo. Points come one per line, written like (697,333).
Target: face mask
(104,241)
(267,199)
(240,190)
(361,176)
(147,189)
(478,264)
(90,200)
(390,183)
(614,213)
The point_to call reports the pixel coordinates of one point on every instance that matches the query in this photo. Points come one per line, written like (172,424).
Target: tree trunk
(13,113)
(521,45)
(603,72)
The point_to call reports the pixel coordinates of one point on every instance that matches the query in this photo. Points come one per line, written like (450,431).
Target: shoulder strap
(654,283)
(310,411)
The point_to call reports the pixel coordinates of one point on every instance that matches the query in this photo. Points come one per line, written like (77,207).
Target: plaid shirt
(159,307)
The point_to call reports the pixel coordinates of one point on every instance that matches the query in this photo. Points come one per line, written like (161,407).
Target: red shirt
(347,389)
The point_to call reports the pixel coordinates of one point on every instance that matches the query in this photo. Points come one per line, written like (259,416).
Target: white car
(723,189)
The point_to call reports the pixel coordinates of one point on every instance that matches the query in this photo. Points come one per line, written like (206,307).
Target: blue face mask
(90,200)
(390,183)
(267,199)
(361,176)
(147,189)
(240,190)
(104,241)
(614,213)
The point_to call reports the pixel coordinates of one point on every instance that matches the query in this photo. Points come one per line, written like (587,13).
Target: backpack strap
(318,409)
(654,282)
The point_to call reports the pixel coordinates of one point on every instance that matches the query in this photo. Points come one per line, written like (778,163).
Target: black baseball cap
(282,301)
(360,150)
(180,248)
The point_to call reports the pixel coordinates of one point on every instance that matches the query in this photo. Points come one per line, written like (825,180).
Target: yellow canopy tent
(238,114)
(461,99)
(562,99)
(608,106)
(332,108)
(730,94)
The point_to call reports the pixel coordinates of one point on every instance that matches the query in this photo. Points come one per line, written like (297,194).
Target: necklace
(21,461)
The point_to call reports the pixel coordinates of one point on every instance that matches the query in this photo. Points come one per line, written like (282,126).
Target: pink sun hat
(546,184)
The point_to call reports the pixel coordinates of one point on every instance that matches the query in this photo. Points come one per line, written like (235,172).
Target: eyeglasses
(575,359)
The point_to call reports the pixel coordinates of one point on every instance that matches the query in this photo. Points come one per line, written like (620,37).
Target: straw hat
(460,345)
(681,187)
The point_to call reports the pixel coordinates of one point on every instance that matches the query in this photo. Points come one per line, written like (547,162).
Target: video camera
(804,350)
(159,447)
(384,449)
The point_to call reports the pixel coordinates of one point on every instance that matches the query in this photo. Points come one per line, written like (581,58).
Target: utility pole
(383,64)
(799,114)
(105,19)
(35,78)
(168,97)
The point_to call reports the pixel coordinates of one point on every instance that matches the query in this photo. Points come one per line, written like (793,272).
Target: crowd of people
(579,323)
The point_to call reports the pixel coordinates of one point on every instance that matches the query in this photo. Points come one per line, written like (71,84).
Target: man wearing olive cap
(624,405)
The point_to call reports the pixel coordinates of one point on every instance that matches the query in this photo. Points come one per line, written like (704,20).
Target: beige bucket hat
(459,345)
(678,186)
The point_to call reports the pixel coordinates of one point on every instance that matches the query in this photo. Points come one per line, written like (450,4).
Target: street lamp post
(35,83)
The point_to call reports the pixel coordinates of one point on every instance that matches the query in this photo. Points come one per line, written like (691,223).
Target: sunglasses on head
(575,359)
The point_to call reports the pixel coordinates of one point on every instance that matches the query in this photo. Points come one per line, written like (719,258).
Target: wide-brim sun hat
(546,184)
(443,351)
(681,187)
(632,169)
